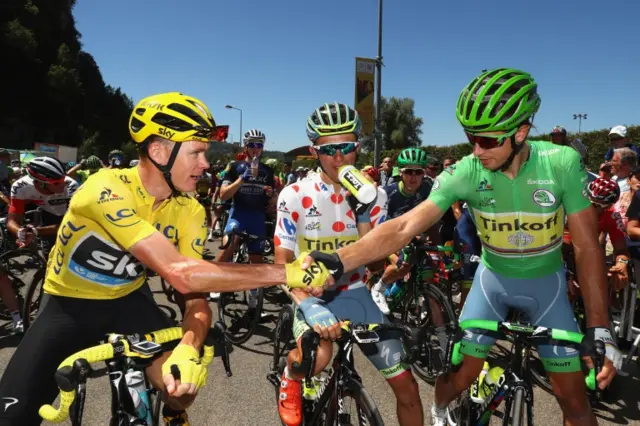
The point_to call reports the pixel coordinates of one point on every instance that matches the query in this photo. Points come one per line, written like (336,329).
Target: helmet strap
(166,169)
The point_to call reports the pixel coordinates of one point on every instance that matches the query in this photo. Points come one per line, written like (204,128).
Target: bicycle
(233,307)
(125,356)
(324,395)
(415,302)
(514,386)
(13,264)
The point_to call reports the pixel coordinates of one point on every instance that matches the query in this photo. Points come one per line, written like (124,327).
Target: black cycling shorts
(64,326)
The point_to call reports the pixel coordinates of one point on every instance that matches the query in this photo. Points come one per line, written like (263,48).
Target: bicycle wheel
(241,320)
(282,344)
(459,412)
(430,361)
(515,410)
(338,411)
(32,299)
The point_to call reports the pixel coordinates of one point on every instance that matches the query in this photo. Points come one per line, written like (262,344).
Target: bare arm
(583,227)
(457,211)
(390,237)
(72,172)
(197,276)
(197,319)
(5,199)
(283,256)
(229,190)
(633,229)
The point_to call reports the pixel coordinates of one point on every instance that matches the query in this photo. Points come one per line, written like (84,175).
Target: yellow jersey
(107,215)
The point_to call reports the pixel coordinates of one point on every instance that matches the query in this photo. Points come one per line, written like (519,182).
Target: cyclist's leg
(358,306)
(8,297)
(254,224)
(290,397)
(562,361)
(63,327)
(232,223)
(485,304)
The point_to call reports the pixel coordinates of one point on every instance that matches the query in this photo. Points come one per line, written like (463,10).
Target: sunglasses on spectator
(489,142)
(615,139)
(412,172)
(331,149)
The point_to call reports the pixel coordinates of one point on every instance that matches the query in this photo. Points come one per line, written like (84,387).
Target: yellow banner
(365,78)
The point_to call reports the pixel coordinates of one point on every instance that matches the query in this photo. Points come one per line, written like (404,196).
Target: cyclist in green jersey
(85,168)
(519,193)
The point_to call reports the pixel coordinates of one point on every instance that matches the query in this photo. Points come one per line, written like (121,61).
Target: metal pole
(378,132)
(241,134)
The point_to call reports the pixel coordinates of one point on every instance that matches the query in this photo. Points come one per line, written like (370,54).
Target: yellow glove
(191,372)
(314,276)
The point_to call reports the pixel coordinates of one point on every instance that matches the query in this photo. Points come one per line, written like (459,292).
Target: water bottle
(255,163)
(478,391)
(356,184)
(138,391)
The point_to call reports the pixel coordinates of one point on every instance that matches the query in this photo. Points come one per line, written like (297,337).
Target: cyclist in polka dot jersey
(317,213)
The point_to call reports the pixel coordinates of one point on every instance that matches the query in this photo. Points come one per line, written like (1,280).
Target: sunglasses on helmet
(331,148)
(489,142)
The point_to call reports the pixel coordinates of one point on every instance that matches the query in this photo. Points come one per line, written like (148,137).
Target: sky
(278,60)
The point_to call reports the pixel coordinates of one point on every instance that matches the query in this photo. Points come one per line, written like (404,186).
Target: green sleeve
(446,188)
(574,182)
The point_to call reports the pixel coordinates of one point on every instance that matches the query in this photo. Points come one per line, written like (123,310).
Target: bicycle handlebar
(533,333)
(244,235)
(69,370)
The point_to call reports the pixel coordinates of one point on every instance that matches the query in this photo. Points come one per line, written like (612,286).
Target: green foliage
(57,91)
(399,125)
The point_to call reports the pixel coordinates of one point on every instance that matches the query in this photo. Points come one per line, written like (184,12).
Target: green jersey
(521,221)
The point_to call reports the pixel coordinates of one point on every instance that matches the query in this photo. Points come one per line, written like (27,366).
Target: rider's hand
(305,272)
(613,357)
(247,175)
(619,276)
(320,318)
(26,236)
(361,210)
(192,374)
(331,261)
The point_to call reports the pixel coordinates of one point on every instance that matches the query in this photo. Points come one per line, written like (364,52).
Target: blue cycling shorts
(251,221)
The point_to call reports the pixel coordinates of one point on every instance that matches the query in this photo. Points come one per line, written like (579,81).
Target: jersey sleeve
(18,200)
(447,186)
(192,230)
(231,174)
(380,210)
(72,185)
(574,182)
(615,227)
(111,204)
(286,229)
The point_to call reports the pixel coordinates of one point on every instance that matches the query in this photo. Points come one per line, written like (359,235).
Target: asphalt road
(247,398)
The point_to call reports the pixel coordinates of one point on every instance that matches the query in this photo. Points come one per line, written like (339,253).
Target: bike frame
(342,372)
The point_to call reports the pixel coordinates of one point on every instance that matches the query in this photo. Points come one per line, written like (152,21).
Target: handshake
(315,270)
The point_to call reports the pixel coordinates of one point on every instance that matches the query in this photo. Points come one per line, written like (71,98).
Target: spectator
(386,172)
(618,139)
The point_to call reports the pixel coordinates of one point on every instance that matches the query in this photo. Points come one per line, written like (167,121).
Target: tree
(399,125)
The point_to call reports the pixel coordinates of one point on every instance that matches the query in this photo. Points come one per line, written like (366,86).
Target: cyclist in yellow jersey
(95,284)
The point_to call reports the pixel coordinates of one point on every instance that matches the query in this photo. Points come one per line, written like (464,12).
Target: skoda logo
(544,198)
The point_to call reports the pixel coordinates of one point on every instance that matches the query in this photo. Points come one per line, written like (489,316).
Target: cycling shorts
(357,306)
(251,221)
(543,300)
(64,326)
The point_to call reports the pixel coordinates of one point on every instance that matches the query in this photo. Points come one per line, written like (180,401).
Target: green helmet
(498,100)
(116,152)
(412,156)
(93,163)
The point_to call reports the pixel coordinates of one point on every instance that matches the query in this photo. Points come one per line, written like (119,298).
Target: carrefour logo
(287,226)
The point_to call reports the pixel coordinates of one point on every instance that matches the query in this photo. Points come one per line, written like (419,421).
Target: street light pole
(232,107)
(378,131)
(579,117)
